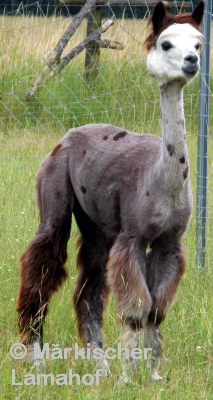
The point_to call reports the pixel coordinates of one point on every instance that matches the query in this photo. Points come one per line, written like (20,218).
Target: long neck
(175,162)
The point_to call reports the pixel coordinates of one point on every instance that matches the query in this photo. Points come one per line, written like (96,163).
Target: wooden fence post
(92,57)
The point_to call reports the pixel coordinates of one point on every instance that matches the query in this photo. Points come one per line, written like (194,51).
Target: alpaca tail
(42,263)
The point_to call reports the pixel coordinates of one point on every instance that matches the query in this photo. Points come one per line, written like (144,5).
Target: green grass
(124,95)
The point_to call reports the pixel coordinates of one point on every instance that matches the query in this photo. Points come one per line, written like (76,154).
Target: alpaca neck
(174,151)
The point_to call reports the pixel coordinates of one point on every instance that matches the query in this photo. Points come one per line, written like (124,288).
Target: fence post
(202,159)
(93,51)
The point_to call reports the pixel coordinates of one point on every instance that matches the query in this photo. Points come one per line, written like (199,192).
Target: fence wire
(123,94)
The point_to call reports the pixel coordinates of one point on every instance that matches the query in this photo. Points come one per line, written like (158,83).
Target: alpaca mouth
(190,70)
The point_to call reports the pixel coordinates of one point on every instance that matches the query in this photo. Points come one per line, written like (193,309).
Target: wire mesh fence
(121,94)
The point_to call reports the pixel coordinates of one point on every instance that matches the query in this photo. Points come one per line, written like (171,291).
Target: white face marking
(174,47)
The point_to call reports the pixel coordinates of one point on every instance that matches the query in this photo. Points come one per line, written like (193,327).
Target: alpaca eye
(166,46)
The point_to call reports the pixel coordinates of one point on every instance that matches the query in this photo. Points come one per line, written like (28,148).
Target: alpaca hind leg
(42,263)
(165,266)
(42,273)
(126,277)
(35,348)
(91,291)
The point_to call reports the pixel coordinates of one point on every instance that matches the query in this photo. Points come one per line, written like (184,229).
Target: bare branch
(56,54)
(66,59)
(51,70)
(109,44)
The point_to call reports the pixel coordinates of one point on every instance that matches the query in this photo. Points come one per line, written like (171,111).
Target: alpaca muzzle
(191,64)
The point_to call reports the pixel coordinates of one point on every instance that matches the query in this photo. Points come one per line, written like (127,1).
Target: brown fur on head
(160,21)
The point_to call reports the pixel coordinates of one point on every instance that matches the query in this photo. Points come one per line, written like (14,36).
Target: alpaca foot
(34,350)
(127,374)
(123,379)
(103,365)
(155,377)
(100,361)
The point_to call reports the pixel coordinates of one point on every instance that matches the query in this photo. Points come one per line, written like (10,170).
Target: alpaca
(131,198)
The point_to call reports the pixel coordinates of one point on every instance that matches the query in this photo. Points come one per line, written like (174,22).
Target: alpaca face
(176,54)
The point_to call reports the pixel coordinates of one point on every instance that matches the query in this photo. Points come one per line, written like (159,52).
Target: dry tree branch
(54,58)
(53,68)
(88,7)
(109,44)
(92,37)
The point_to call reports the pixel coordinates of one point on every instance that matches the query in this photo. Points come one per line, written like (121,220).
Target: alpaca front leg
(131,341)
(126,277)
(153,342)
(165,266)
(99,359)
(148,342)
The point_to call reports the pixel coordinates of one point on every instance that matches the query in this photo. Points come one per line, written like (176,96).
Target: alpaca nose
(190,64)
(191,58)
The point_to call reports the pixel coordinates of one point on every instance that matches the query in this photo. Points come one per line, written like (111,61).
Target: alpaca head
(174,45)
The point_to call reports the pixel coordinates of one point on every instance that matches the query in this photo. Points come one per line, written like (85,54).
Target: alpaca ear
(198,12)
(158,16)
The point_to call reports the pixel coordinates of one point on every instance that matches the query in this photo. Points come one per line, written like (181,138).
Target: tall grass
(123,95)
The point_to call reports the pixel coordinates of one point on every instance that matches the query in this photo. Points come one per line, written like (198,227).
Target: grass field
(125,96)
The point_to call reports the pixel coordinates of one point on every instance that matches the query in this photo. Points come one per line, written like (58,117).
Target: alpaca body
(105,190)
(127,192)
